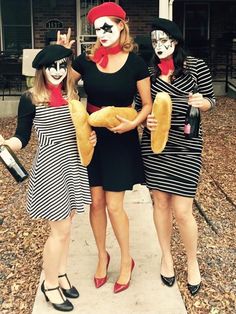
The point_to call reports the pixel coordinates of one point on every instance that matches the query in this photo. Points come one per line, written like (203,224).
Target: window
(196,23)
(16,25)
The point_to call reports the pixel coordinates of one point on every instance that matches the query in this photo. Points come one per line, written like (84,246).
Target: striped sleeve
(204,81)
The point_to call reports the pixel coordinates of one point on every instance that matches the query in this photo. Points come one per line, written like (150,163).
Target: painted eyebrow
(61,61)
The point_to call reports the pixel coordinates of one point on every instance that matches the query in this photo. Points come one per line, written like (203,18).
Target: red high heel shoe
(101,281)
(121,287)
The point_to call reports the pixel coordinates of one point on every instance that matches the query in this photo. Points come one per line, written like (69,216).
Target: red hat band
(106,9)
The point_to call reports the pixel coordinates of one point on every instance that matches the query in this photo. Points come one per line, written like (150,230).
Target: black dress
(117,162)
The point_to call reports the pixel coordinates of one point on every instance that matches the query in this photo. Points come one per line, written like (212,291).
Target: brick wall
(65,11)
(141,14)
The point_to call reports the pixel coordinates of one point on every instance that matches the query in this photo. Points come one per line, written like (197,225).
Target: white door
(85,31)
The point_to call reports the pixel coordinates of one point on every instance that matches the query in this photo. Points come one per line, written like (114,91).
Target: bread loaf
(106,117)
(79,117)
(162,109)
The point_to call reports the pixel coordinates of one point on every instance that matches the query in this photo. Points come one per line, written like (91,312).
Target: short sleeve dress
(117,162)
(176,169)
(58,182)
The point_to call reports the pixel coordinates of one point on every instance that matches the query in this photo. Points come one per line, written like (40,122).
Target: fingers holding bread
(107,116)
(85,137)
(160,121)
(151,122)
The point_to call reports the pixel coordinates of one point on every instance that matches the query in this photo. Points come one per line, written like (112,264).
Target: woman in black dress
(112,74)
(172,175)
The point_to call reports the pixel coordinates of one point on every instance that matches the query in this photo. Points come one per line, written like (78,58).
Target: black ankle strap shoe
(72,292)
(65,306)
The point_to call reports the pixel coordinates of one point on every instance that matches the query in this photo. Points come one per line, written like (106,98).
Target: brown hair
(126,41)
(41,95)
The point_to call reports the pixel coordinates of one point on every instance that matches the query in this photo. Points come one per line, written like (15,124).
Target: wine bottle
(192,121)
(12,163)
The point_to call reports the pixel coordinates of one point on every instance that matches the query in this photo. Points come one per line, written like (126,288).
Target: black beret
(168,27)
(49,54)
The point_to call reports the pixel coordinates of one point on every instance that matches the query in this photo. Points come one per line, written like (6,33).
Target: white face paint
(56,72)
(107,31)
(163,45)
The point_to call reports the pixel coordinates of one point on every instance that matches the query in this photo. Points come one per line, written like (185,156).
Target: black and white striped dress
(176,170)
(58,182)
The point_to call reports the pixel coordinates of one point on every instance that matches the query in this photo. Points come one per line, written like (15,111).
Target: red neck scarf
(101,54)
(56,99)
(166,65)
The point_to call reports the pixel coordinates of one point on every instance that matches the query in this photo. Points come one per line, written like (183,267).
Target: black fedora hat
(49,54)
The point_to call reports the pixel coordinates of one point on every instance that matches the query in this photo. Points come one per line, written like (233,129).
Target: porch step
(9,106)
(219,88)
(232,88)
(231,92)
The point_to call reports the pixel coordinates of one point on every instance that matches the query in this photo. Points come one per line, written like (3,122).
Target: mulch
(22,239)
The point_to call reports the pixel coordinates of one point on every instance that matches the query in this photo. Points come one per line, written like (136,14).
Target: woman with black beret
(173,174)
(58,185)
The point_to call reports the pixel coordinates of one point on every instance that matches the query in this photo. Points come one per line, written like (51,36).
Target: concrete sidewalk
(146,293)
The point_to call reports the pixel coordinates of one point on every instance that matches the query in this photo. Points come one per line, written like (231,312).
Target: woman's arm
(64,40)
(205,98)
(143,87)
(144,90)
(25,116)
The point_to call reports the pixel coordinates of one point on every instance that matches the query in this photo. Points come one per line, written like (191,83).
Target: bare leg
(98,221)
(52,255)
(162,216)
(120,224)
(63,263)
(189,233)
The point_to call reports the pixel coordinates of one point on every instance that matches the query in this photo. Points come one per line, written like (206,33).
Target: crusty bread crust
(79,117)
(162,109)
(106,117)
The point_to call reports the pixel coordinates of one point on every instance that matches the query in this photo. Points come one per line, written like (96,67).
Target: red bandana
(101,54)
(166,65)
(56,99)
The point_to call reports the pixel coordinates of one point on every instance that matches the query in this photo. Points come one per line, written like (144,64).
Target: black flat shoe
(72,292)
(193,289)
(168,281)
(66,306)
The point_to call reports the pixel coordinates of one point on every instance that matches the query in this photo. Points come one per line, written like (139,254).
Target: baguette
(162,109)
(106,117)
(79,117)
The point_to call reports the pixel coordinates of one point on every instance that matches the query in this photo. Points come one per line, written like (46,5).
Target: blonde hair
(41,95)
(126,41)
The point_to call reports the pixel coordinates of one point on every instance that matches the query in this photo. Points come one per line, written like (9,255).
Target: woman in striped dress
(58,184)
(172,175)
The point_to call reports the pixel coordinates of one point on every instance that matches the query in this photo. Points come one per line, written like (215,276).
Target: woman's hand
(14,143)
(124,126)
(93,138)
(2,141)
(151,122)
(198,101)
(64,39)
